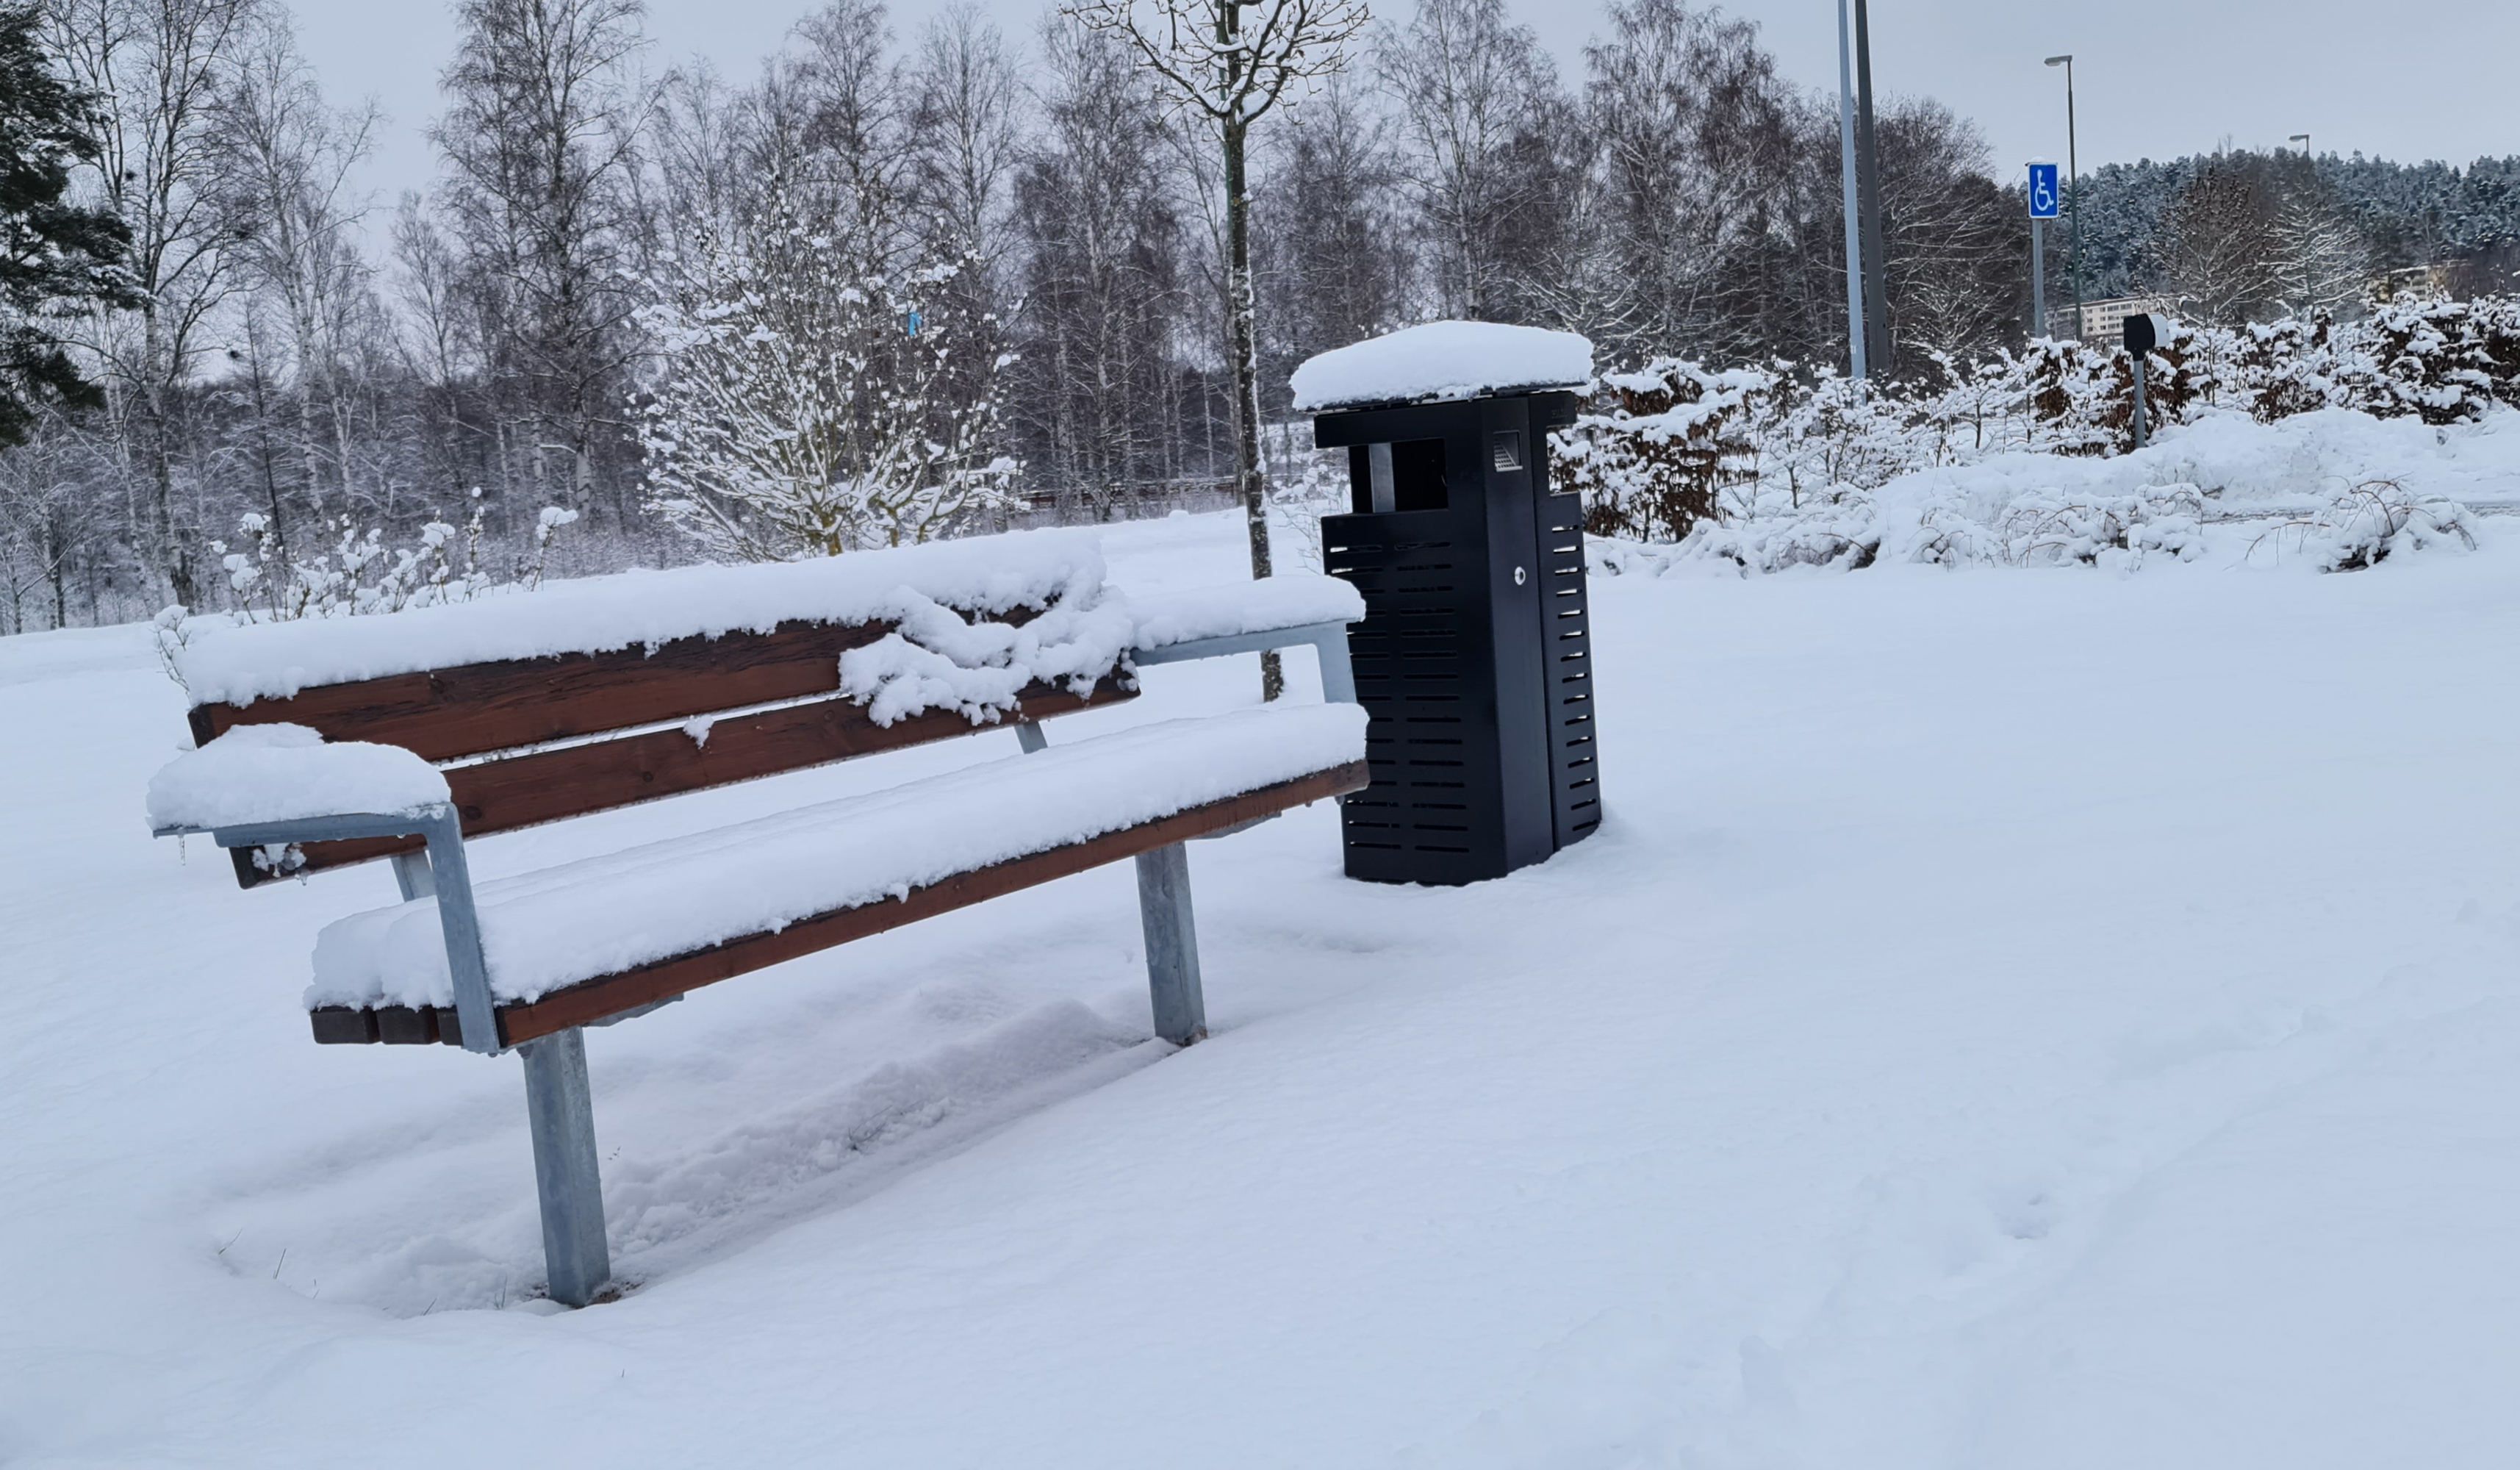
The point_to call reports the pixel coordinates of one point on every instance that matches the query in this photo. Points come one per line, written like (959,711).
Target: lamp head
(2059,61)
(2300,138)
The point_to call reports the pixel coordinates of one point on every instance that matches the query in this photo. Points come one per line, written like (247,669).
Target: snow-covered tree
(2321,261)
(1233,61)
(813,401)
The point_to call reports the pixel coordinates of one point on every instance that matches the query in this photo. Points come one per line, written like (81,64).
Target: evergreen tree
(55,254)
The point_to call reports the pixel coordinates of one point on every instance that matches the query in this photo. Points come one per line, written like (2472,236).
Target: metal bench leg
(413,876)
(1338,674)
(561,1113)
(1172,944)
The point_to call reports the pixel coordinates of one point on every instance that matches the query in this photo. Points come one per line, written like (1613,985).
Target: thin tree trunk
(1246,377)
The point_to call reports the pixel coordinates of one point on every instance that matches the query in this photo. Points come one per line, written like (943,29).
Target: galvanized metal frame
(1329,640)
(1164,911)
(1172,944)
(560,1107)
(560,1104)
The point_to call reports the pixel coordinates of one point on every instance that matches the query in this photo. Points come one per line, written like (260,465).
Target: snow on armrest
(285,773)
(1265,605)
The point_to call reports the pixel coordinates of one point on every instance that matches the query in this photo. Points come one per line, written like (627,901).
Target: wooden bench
(530,962)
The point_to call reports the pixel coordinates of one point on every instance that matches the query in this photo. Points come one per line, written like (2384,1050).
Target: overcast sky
(2410,79)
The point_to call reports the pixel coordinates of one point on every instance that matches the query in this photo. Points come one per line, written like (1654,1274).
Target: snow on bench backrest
(699,677)
(225,664)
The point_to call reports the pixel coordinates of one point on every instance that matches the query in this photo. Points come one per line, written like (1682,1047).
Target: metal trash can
(1475,660)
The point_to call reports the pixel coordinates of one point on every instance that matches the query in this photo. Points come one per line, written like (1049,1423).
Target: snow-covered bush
(1843,530)
(816,397)
(1940,520)
(2054,529)
(274,583)
(2368,524)
(1653,450)
(1776,467)
(360,575)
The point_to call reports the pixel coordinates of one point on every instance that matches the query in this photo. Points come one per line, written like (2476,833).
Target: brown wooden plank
(596,999)
(545,786)
(480,707)
(343,1026)
(406,1025)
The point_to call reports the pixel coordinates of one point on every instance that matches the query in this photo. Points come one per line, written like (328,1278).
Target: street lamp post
(2074,190)
(1868,189)
(1856,321)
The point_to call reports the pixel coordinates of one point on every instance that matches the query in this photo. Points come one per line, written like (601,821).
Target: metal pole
(2038,278)
(559,1112)
(2074,198)
(2138,397)
(1868,185)
(1172,944)
(1846,170)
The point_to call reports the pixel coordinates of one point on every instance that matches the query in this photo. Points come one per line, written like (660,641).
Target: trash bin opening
(1407,476)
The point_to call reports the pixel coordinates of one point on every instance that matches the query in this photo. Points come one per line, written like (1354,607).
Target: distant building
(2100,319)
(2437,279)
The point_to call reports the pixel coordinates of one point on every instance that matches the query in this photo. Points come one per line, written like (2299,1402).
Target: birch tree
(1474,89)
(165,68)
(1232,61)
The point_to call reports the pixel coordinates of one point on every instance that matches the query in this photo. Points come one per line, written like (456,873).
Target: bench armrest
(1240,618)
(1328,641)
(263,775)
(331,827)
(450,884)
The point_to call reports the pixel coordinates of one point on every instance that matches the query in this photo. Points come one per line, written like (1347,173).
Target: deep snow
(2008,1018)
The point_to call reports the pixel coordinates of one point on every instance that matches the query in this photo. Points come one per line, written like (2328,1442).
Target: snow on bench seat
(545,931)
(1265,605)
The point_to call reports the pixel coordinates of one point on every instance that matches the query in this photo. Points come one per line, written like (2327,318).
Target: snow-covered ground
(2009,1018)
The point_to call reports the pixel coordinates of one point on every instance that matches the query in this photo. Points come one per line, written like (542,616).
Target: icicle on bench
(326,744)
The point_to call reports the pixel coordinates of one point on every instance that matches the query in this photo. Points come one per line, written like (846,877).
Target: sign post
(2045,200)
(2144,332)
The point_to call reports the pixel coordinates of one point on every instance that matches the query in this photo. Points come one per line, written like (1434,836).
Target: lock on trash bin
(1474,658)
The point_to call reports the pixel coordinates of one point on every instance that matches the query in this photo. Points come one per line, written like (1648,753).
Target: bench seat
(545,932)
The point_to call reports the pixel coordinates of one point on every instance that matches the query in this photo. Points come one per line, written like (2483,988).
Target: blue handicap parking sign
(2045,200)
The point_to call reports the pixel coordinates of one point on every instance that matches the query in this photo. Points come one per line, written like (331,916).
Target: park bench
(401,738)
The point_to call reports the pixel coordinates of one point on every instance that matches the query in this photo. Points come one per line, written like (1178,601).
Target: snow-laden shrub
(2443,362)
(2369,524)
(1942,520)
(1653,450)
(1841,530)
(1663,452)
(2051,528)
(272,581)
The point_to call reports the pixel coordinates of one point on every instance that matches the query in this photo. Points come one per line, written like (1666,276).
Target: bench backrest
(537,740)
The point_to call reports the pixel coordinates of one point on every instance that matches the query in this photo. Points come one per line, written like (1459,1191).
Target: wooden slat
(581,1004)
(593,1002)
(544,786)
(451,713)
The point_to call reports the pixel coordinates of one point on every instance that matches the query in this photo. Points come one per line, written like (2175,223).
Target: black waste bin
(1474,658)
